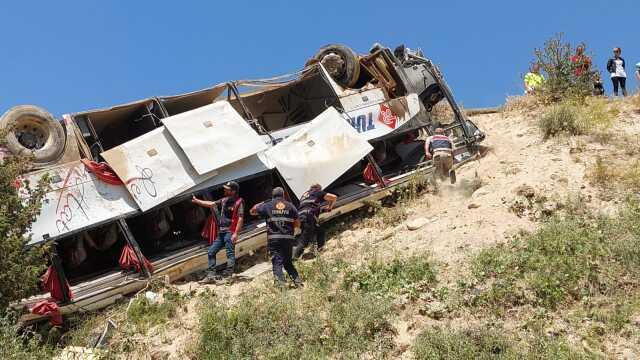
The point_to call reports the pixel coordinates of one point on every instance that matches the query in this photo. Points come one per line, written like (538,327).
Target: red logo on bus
(387,116)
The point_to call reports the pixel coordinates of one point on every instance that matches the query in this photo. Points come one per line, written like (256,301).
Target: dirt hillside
(521,178)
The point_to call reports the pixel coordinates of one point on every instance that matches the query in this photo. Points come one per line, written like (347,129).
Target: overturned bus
(319,125)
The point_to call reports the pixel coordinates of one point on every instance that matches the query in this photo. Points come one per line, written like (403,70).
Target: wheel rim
(31,133)
(334,64)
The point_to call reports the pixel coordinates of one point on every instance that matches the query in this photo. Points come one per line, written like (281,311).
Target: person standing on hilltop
(638,71)
(616,68)
(581,62)
(533,79)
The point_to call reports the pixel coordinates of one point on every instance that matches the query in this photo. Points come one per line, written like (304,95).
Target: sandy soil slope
(460,218)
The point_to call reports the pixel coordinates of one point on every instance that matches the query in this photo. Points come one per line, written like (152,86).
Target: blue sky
(69,56)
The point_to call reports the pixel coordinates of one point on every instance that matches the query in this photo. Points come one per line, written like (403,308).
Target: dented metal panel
(319,153)
(77,200)
(380,119)
(360,99)
(213,136)
(153,168)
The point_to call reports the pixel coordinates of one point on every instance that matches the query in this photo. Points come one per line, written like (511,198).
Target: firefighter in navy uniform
(310,207)
(282,219)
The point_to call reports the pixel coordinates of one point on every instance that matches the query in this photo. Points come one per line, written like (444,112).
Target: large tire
(341,62)
(33,130)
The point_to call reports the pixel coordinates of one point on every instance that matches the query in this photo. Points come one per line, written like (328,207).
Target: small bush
(387,279)
(21,265)
(144,314)
(591,116)
(16,346)
(602,174)
(561,119)
(488,344)
(561,82)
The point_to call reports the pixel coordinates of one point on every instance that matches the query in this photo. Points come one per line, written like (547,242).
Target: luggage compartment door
(213,136)
(320,152)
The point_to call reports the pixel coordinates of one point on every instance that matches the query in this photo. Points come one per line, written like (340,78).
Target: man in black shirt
(310,208)
(230,220)
(282,219)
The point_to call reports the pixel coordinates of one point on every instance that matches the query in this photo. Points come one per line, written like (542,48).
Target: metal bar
(131,240)
(163,109)
(62,279)
(444,87)
(376,170)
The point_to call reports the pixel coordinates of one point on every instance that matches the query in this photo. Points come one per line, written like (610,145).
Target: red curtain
(50,309)
(129,260)
(51,283)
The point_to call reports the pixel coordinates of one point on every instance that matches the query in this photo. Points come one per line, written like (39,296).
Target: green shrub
(561,119)
(488,344)
(387,279)
(281,325)
(328,318)
(21,266)
(561,83)
(566,259)
(144,313)
(15,346)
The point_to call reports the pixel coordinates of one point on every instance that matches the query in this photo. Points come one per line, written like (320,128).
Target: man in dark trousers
(282,219)
(230,210)
(310,206)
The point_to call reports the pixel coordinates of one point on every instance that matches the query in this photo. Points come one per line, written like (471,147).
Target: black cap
(277,192)
(231,185)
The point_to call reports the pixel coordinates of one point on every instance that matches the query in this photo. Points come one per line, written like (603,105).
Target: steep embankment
(521,180)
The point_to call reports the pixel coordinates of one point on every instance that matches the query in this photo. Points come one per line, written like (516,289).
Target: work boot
(227,273)
(298,283)
(452,176)
(211,277)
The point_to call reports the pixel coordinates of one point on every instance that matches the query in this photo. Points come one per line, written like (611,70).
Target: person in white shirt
(616,68)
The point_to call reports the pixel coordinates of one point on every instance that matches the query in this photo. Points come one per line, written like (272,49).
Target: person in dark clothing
(310,208)
(230,220)
(410,149)
(616,67)
(598,86)
(282,219)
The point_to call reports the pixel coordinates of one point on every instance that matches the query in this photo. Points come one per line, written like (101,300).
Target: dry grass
(521,104)
(593,116)
(602,174)
(609,174)
(442,112)
(635,102)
